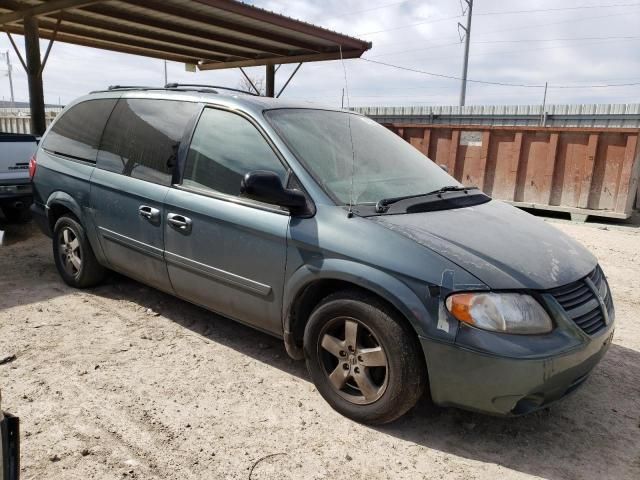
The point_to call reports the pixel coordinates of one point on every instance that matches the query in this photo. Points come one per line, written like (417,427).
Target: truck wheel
(75,261)
(363,359)
(16,215)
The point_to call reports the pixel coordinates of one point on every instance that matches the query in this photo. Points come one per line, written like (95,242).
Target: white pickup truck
(15,184)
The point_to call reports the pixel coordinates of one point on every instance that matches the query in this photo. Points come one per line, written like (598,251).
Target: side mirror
(265,186)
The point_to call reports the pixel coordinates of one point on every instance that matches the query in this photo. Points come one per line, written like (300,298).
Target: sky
(577,46)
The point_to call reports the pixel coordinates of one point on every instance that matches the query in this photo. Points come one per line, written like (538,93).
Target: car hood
(500,245)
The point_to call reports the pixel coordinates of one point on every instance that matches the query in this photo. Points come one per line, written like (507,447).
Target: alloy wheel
(353,360)
(69,251)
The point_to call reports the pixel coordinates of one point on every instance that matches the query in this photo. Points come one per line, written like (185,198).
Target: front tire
(364,360)
(74,257)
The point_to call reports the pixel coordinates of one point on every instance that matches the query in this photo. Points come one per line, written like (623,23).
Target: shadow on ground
(606,409)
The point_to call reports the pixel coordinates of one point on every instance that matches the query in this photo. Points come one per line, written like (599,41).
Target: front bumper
(9,447)
(508,386)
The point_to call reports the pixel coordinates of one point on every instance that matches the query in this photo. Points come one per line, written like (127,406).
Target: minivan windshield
(354,158)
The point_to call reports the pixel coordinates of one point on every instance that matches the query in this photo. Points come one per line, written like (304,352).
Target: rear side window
(76,134)
(226,146)
(142,137)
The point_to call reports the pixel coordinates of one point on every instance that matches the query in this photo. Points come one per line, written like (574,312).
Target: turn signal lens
(500,312)
(460,306)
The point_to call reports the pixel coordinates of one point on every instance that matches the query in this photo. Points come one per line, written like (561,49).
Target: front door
(222,251)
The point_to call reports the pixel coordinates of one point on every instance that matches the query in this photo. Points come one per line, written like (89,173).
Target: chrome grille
(581,304)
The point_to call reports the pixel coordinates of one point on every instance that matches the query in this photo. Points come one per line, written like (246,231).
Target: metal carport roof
(211,34)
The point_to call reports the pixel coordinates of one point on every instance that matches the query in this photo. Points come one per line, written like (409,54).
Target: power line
(522,27)
(435,20)
(504,12)
(503,84)
(451,77)
(581,7)
(402,52)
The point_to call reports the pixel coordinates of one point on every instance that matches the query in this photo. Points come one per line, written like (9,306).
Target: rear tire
(364,360)
(73,255)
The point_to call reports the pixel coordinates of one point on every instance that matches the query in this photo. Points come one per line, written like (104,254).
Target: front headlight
(500,312)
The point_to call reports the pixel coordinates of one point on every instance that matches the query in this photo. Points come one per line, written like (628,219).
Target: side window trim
(247,202)
(61,117)
(178,179)
(183,146)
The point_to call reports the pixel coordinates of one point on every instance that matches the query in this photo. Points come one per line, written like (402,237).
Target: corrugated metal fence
(602,115)
(583,171)
(17,120)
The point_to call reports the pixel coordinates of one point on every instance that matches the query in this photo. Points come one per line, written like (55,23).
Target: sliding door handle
(149,213)
(179,222)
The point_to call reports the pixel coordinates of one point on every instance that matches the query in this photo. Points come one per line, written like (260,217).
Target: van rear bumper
(507,386)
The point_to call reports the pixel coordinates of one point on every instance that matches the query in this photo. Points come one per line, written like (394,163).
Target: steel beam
(274,19)
(273,60)
(220,23)
(147,43)
(194,32)
(288,80)
(116,47)
(270,80)
(34,75)
(171,36)
(43,9)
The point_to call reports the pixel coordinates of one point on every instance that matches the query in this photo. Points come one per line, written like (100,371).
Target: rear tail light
(32,167)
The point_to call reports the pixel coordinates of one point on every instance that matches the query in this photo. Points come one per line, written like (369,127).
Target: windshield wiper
(385,202)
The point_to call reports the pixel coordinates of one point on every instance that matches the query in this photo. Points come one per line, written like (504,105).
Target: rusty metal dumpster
(582,171)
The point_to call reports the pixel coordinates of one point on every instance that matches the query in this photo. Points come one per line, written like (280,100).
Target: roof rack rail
(212,87)
(132,87)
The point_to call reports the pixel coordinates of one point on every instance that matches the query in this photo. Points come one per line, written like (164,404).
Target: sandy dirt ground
(123,381)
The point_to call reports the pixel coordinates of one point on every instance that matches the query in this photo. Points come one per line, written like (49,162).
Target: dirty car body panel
(255,262)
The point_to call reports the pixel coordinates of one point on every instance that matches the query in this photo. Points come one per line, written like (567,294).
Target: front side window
(76,134)
(142,138)
(354,158)
(226,146)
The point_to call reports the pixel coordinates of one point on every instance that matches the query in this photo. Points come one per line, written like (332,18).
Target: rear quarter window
(142,138)
(76,134)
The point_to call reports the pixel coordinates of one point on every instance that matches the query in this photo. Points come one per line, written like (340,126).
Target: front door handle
(149,213)
(179,221)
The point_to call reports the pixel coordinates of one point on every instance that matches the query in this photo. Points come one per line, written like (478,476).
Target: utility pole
(10,79)
(467,39)
(165,73)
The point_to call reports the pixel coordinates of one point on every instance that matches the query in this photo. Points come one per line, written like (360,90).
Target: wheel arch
(308,286)
(59,203)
